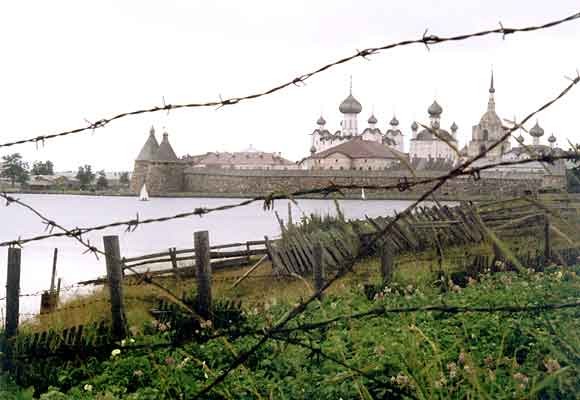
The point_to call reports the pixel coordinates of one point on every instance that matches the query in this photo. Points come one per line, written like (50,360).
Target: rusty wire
(403,185)
(426,40)
(302,306)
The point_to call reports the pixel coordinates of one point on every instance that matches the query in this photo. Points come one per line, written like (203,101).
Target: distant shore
(369,195)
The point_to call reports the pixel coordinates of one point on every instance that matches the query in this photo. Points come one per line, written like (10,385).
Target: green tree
(85,176)
(14,168)
(42,168)
(102,182)
(124,179)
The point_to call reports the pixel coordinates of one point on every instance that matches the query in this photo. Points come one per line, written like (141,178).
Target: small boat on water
(144,195)
(362,194)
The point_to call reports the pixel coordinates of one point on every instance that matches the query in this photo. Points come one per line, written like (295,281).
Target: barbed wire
(51,224)
(462,169)
(426,40)
(403,185)
(42,291)
(349,264)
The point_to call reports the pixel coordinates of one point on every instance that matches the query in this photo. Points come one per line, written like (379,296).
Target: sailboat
(362,194)
(144,196)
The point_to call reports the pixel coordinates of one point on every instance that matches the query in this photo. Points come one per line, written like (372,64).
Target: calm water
(240,224)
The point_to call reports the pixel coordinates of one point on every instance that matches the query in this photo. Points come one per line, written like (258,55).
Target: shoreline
(409,196)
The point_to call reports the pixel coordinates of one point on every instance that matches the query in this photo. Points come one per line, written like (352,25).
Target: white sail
(362,194)
(144,196)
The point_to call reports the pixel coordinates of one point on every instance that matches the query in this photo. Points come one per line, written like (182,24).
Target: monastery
(351,153)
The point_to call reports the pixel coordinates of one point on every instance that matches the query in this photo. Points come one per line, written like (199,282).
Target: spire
(350,89)
(150,147)
(491,102)
(165,151)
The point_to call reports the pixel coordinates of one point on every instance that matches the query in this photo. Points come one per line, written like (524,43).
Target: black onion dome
(435,109)
(537,130)
(350,105)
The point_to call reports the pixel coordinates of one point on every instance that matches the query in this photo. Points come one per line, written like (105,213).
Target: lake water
(240,224)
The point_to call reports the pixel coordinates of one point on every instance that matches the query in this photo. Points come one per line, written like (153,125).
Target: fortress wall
(255,182)
(165,177)
(160,177)
(139,175)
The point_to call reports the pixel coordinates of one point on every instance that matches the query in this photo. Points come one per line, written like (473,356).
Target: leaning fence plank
(318,269)
(248,272)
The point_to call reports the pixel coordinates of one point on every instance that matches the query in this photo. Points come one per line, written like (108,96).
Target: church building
(489,130)
(434,142)
(350,108)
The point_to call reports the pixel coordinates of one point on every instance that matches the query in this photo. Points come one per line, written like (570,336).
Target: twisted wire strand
(426,40)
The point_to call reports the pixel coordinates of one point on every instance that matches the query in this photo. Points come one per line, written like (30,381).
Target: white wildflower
(88,388)
(115,353)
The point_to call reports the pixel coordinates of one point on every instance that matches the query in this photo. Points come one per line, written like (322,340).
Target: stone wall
(260,182)
(175,177)
(139,175)
(160,177)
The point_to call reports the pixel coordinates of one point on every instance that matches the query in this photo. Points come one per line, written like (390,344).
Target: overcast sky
(66,61)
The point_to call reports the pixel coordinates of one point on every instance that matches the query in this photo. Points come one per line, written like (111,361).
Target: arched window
(485,135)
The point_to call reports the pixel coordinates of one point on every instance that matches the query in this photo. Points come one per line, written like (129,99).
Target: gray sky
(67,61)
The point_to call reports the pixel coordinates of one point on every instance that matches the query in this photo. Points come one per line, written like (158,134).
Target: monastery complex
(354,154)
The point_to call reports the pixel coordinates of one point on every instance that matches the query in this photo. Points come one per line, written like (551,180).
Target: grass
(409,355)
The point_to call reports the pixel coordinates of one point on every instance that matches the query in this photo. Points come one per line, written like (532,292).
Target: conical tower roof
(165,152)
(150,148)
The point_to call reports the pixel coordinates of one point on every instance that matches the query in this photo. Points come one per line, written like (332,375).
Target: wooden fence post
(249,258)
(318,268)
(387,257)
(12,303)
(174,265)
(203,273)
(115,281)
(547,245)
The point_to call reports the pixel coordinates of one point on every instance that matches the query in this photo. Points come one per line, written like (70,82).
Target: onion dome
(414,126)
(435,109)
(552,138)
(313,150)
(350,105)
(454,127)
(537,130)
(321,121)
(372,119)
(394,121)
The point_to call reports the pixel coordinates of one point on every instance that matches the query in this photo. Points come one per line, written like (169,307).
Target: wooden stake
(387,257)
(12,292)
(54,258)
(12,305)
(203,273)
(173,257)
(318,269)
(115,281)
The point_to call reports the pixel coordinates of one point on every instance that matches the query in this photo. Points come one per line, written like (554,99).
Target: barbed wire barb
(425,39)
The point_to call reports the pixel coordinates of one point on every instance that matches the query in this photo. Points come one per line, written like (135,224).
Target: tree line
(14,168)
